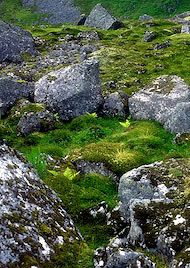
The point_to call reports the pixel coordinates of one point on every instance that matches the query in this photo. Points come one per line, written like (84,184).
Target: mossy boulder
(35,228)
(166,100)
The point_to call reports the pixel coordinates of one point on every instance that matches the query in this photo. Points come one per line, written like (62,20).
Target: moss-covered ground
(131,63)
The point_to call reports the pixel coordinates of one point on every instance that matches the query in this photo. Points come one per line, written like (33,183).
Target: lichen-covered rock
(14,42)
(99,17)
(111,257)
(185,29)
(88,35)
(149,36)
(154,200)
(97,214)
(71,91)
(166,100)
(116,104)
(33,221)
(56,11)
(32,122)
(11,90)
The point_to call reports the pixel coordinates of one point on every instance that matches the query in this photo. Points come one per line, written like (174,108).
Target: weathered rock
(183,17)
(100,18)
(32,122)
(145,17)
(153,201)
(14,42)
(116,104)
(120,258)
(11,90)
(33,221)
(185,29)
(71,91)
(86,167)
(55,12)
(149,36)
(88,35)
(166,100)
(162,45)
(96,214)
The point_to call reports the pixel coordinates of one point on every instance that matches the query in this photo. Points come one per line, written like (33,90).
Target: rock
(185,29)
(14,42)
(120,258)
(154,200)
(96,214)
(145,18)
(116,104)
(86,167)
(88,35)
(115,220)
(162,45)
(71,91)
(34,223)
(11,90)
(55,12)
(183,17)
(33,122)
(149,36)
(166,100)
(82,20)
(100,18)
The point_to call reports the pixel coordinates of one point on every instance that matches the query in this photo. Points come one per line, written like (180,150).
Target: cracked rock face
(14,41)
(32,218)
(71,91)
(166,100)
(59,11)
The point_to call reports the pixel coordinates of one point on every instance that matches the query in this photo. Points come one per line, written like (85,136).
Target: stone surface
(56,11)
(154,201)
(88,35)
(71,91)
(183,17)
(185,29)
(166,100)
(145,17)
(149,36)
(11,90)
(33,221)
(32,122)
(116,104)
(99,17)
(14,42)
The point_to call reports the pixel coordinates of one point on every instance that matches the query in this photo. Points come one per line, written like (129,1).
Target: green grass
(133,9)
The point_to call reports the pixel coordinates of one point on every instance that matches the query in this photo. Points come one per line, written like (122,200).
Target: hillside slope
(135,8)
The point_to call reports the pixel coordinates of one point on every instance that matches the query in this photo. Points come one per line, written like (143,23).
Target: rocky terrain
(94,139)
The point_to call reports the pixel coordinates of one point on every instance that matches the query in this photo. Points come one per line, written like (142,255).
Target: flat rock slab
(33,221)
(71,91)
(100,18)
(166,100)
(14,42)
(56,11)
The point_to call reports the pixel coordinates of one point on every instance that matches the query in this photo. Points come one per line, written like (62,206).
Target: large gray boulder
(154,200)
(99,17)
(166,100)
(33,221)
(71,91)
(14,42)
(56,11)
(11,90)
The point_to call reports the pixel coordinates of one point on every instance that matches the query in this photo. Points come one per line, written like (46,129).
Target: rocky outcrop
(14,42)
(99,17)
(116,104)
(33,221)
(12,88)
(166,100)
(32,122)
(55,12)
(71,91)
(154,202)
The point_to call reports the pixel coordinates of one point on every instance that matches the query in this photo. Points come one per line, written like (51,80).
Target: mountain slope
(135,8)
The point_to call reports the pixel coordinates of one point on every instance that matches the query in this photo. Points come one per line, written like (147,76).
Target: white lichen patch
(179,220)
(29,209)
